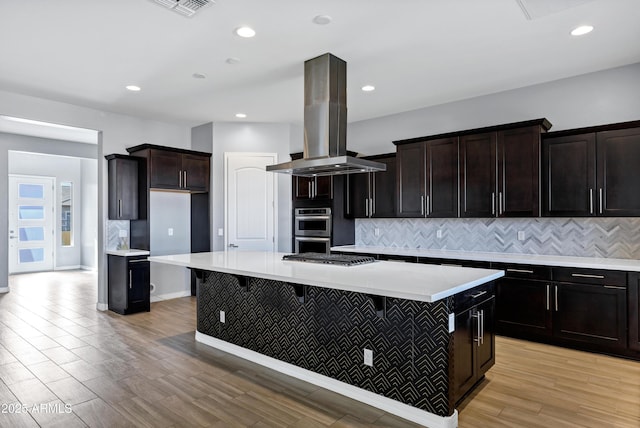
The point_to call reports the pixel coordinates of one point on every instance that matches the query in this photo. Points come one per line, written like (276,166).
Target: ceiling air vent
(186,8)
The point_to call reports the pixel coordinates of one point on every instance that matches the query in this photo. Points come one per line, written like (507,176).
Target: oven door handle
(308,238)
(313,217)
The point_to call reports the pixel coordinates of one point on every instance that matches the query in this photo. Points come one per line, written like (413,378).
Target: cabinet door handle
(601,203)
(372,209)
(185,178)
(119,208)
(590,201)
(500,201)
(548,296)
(482,327)
(421,205)
(493,203)
(476,315)
(584,275)
(428,210)
(478,294)
(615,287)
(366,207)
(130,279)
(556,296)
(520,270)
(309,190)
(180,179)
(138,261)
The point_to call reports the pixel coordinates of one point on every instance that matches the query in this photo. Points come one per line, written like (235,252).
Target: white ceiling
(416,52)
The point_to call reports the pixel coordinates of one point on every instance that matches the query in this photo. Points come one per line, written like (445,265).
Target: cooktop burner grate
(329,259)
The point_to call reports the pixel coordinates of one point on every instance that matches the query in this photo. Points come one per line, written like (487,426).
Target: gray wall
(116,133)
(591,99)
(221,137)
(63,169)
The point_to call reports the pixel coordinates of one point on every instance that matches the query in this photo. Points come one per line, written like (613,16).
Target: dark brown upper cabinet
(373,194)
(592,172)
(123,187)
(305,188)
(427,178)
(500,172)
(569,175)
(175,169)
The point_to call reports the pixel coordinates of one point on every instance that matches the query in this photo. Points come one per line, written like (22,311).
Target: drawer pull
(615,287)
(478,294)
(584,275)
(520,270)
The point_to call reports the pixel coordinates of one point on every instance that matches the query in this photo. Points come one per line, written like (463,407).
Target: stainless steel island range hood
(325,123)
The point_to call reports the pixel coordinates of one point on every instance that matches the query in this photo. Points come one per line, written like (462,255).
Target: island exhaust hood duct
(325,123)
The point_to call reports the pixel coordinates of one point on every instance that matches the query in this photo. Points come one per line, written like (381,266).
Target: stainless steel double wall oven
(312,230)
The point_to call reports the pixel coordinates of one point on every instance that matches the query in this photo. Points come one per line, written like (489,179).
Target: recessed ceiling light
(368,88)
(199,76)
(241,115)
(133,88)
(582,30)
(233,60)
(322,19)
(245,32)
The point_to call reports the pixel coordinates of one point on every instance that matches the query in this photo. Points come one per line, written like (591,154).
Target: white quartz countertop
(420,282)
(128,252)
(530,259)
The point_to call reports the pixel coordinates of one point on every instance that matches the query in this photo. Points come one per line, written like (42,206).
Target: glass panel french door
(31,220)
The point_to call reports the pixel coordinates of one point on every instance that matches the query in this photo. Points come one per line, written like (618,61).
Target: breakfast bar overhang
(381,333)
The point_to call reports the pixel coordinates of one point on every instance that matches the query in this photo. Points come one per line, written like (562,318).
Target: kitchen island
(382,333)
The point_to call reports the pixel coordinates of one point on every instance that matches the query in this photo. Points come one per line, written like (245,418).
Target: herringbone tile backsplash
(614,237)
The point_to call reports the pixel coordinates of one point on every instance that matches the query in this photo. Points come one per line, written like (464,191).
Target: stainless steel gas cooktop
(330,259)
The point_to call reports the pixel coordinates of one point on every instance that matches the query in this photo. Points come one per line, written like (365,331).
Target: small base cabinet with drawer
(523,299)
(128,284)
(473,338)
(590,306)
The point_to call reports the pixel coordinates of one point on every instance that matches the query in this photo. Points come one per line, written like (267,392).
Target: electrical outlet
(439,233)
(220,231)
(222,317)
(368,357)
(452,323)
(122,233)
(376,231)
(521,235)
(170,231)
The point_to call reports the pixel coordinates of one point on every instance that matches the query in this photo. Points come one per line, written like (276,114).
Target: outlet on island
(368,357)
(222,317)
(170,231)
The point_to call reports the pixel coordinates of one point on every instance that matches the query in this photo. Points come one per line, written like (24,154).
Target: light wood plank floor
(147,370)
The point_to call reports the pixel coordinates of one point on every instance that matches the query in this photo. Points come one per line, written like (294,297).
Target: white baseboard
(169,296)
(102,306)
(6,290)
(75,267)
(388,405)
(88,268)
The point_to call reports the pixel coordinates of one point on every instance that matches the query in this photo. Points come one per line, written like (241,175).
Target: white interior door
(31,223)
(250,204)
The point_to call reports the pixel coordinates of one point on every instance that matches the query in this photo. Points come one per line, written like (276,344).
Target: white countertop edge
(127,253)
(529,259)
(421,297)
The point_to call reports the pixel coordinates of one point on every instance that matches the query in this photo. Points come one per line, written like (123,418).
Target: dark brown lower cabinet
(524,307)
(128,284)
(594,314)
(474,346)
(634,311)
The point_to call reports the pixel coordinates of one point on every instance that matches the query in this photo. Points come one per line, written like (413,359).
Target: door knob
(233,246)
